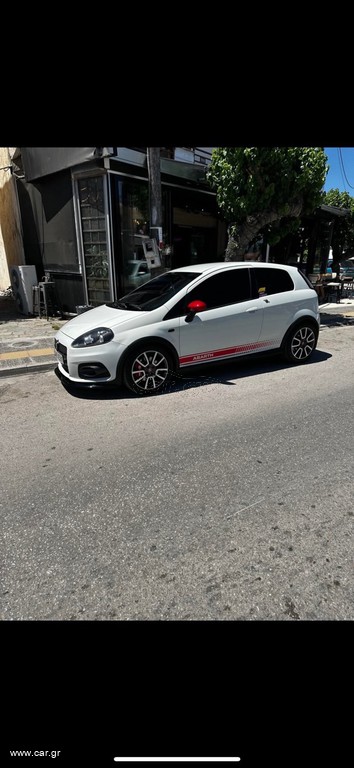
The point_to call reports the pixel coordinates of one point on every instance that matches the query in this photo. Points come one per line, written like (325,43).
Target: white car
(137,273)
(190,316)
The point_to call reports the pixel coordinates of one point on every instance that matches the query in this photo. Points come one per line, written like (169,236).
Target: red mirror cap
(196,306)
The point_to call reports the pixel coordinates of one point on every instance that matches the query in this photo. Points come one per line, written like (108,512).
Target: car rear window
(269,281)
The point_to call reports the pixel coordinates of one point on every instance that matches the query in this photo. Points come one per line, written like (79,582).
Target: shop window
(134,215)
(94,238)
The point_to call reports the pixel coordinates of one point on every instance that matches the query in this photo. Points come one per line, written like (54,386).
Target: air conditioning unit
(23,278)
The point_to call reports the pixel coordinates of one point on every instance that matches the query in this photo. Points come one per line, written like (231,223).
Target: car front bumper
(87,365)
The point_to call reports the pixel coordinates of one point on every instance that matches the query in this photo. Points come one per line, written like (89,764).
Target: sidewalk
(27,343)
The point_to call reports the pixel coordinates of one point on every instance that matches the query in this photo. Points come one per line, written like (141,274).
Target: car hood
(101,316)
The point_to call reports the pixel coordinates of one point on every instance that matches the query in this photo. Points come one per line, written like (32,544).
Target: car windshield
(155,292)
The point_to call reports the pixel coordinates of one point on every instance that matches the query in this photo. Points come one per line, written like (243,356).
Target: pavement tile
(26,343)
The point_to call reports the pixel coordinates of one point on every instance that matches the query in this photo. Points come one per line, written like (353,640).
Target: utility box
(23,277)
(151,252)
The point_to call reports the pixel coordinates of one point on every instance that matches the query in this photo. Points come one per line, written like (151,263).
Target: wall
(11,247)
(49,234)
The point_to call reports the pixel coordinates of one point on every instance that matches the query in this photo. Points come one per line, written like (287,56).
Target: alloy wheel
(303,343)
(149,370)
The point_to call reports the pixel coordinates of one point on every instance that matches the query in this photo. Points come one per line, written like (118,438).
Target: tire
(147,369)
(300,343)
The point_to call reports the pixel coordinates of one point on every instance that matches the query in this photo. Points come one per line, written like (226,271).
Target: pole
(154,171)
(155,196)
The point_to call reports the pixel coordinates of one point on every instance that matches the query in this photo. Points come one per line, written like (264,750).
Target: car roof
(204,268)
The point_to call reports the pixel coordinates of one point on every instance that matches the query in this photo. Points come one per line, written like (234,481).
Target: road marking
(26,353)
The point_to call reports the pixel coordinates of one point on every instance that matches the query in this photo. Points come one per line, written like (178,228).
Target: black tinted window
(272,280)
(229,287)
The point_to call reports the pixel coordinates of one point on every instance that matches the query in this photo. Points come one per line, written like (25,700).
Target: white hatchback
(190,316)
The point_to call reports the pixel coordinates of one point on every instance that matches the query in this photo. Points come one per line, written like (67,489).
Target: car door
(229,326)
(276,289)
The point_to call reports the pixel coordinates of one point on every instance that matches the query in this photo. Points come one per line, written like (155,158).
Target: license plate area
(61,354)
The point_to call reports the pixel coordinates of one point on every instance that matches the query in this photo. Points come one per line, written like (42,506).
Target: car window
(229,287)
(347,267)
(269,281)
(157,291)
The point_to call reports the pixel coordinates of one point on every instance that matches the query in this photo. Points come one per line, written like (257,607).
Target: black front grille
(62,350)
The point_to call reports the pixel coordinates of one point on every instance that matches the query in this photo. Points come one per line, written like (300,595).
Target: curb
(28,369)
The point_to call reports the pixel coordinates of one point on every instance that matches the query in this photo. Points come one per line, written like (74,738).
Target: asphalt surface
(27,343)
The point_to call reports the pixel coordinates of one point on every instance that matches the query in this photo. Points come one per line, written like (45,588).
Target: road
(229,497)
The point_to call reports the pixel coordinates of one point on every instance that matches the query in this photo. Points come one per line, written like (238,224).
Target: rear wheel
(147,369)
(300,343)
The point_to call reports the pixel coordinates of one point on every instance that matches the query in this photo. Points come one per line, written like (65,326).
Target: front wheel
(147,370)
(300,343)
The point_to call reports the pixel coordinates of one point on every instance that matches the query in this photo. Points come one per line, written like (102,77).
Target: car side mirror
(194,307)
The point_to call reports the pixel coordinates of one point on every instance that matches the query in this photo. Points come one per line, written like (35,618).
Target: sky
(341,169)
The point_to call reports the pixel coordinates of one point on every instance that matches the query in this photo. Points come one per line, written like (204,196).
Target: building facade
(81,216)
(11,240)
(85,217)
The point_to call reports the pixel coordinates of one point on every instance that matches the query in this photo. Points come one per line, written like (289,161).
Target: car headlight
(97,336)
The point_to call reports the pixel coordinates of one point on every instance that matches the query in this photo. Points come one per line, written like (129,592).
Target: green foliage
(339,199)
(343,232)
(279,229)
(273,180)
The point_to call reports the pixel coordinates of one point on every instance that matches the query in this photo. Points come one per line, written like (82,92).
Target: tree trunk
(337,255)
(239,237)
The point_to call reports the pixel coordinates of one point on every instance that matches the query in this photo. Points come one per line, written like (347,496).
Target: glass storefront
(189,232)
(133,197)
(194,228)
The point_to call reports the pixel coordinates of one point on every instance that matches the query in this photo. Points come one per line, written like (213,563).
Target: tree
(343,231)
(265,190)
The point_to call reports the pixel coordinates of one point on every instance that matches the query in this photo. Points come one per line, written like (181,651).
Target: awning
(41,161)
